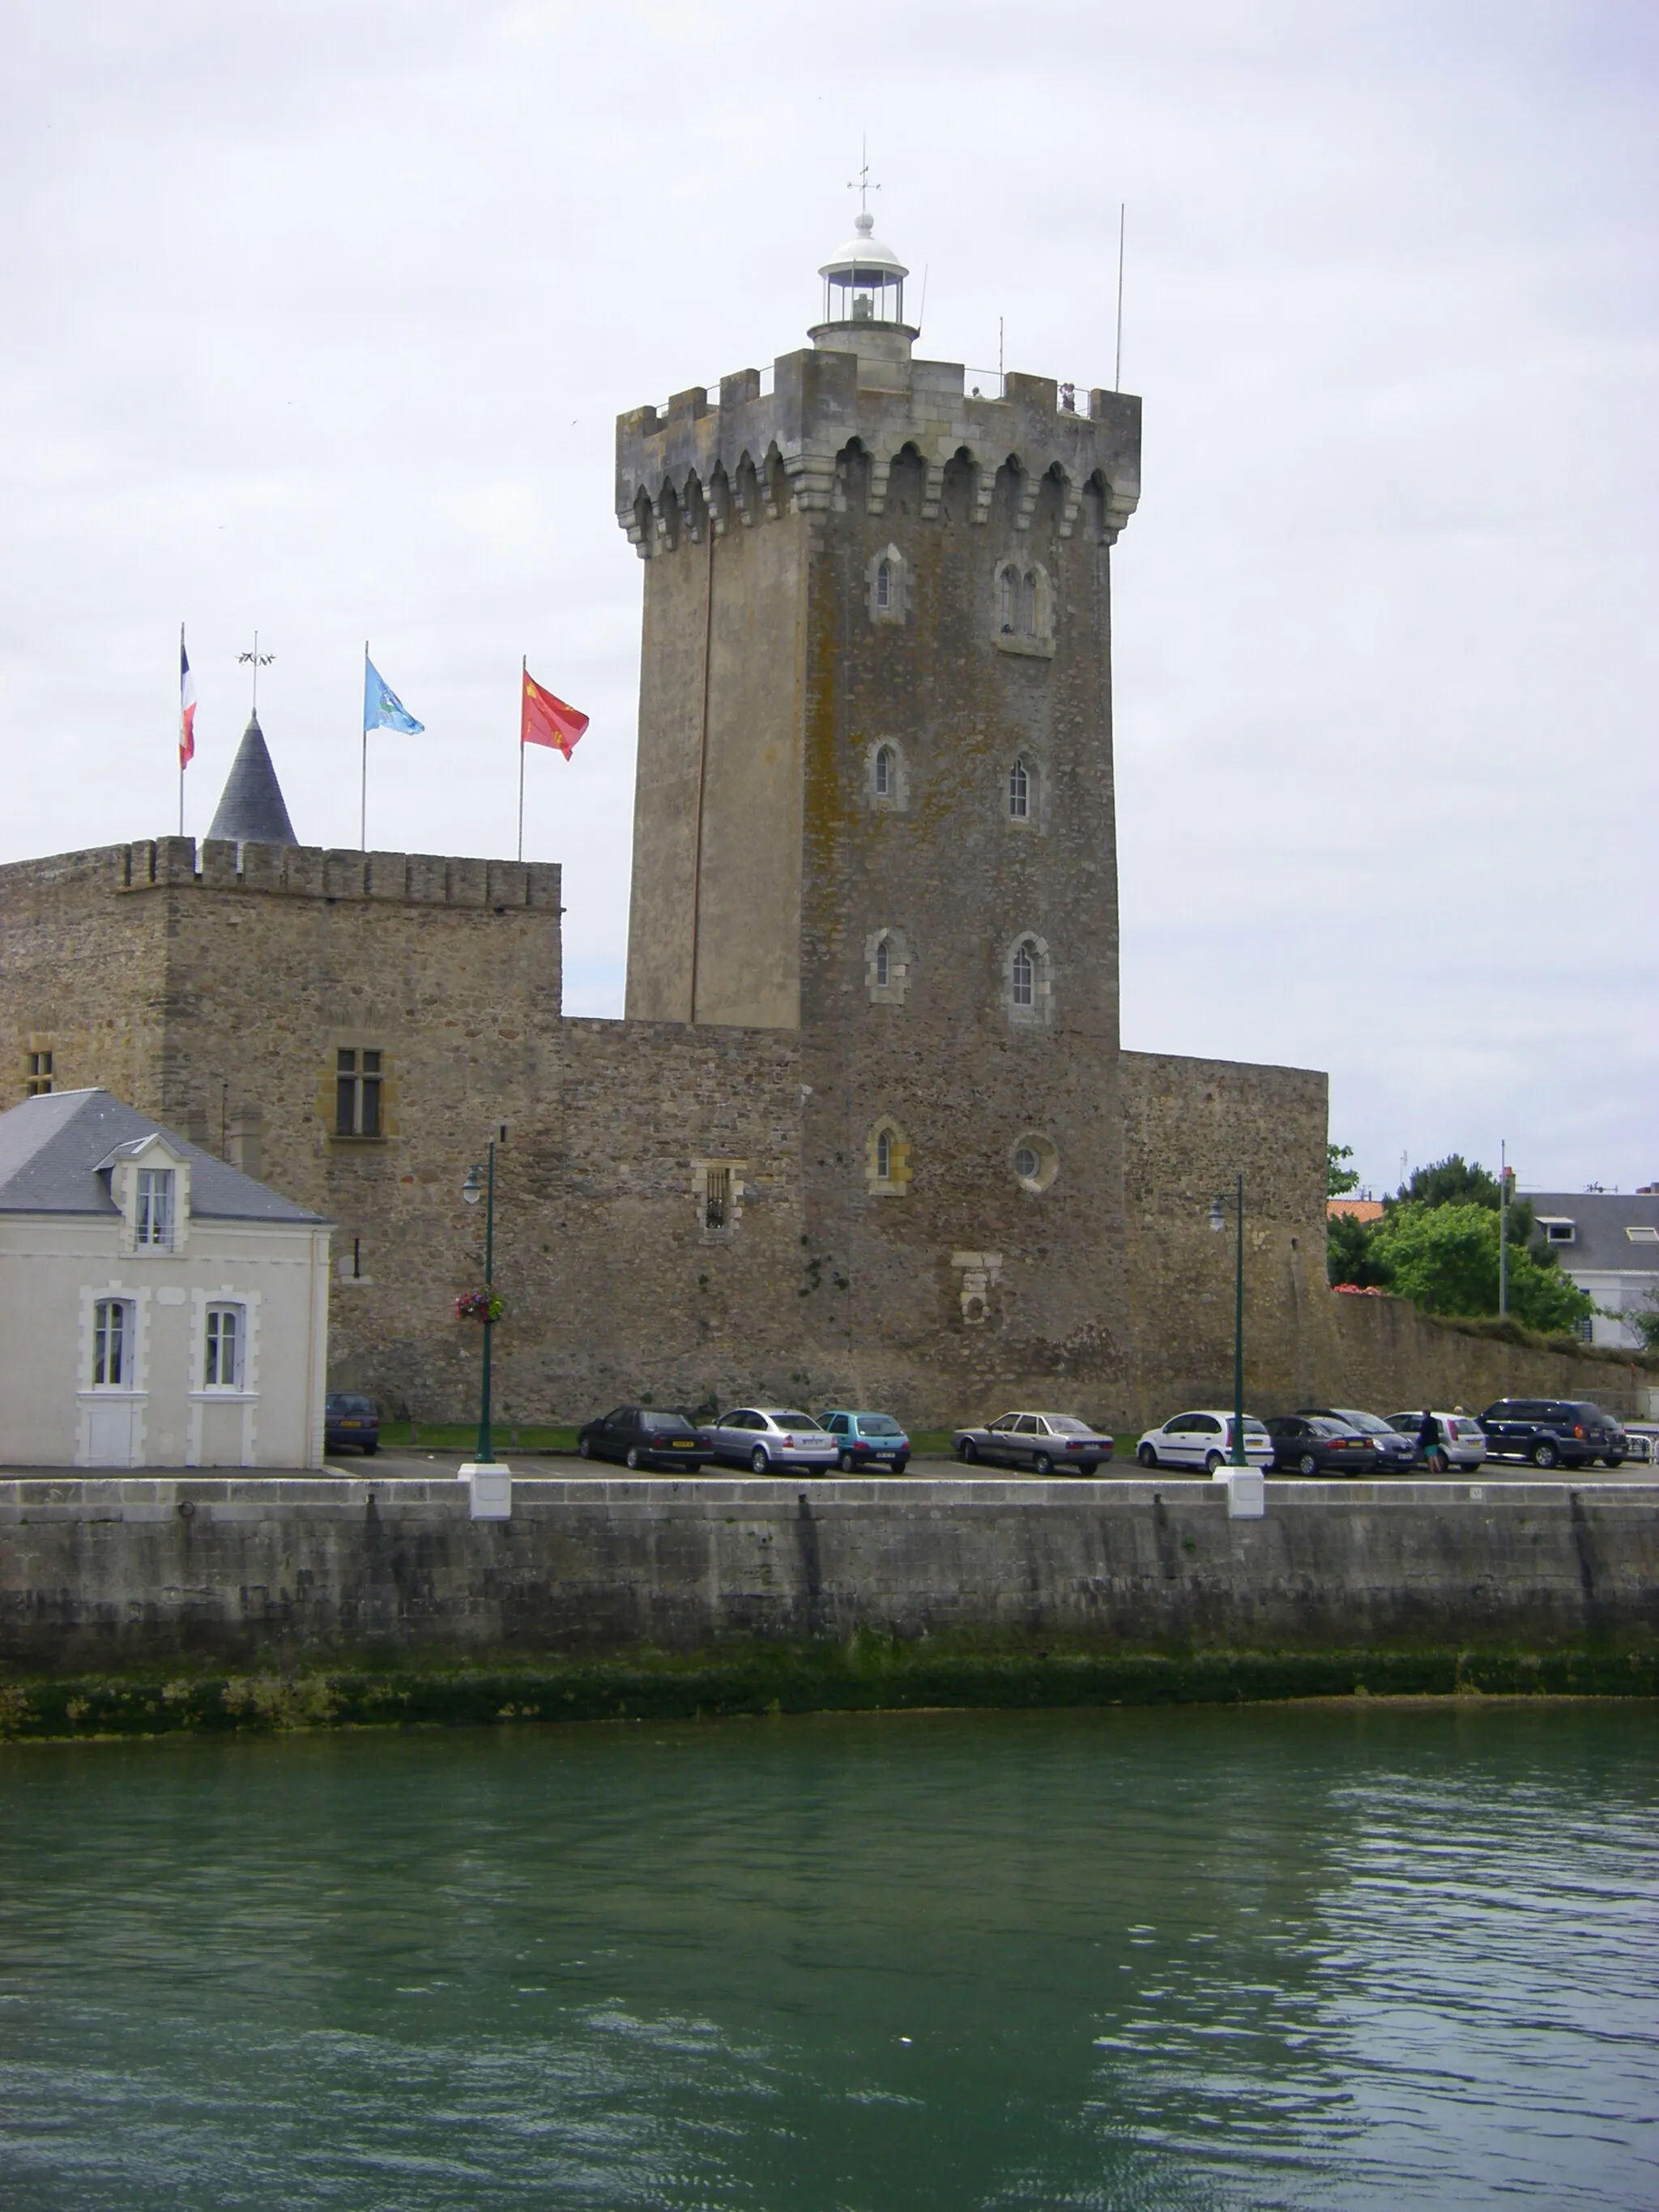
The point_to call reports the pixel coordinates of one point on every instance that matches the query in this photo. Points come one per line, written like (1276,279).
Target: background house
(158,1308)
(1608,1243)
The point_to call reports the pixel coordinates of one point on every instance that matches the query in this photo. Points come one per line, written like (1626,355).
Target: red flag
(187,705)
(545,720)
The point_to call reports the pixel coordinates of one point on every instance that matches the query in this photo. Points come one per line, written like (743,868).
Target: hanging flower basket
(479,1305)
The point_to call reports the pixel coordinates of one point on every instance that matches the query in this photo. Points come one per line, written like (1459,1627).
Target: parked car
(1204,1439)
(349,1417)
(762,1437)
(643,1437)
(1460,1441)
(1318,1443)
(1394,1453)
(1045,1443)
(1553,1432)
(868,1440)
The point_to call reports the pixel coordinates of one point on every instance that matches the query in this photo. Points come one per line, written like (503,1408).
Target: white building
(1608,1243)
(157,1308)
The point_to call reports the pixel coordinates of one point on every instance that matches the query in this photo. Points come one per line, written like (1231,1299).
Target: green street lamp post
(481,1184)
(1218,1221)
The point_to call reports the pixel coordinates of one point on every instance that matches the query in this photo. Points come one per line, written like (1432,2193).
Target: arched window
(1008,601)
(1019,792)
(1022,976)
(884,964)
(884,776)
(1028,605)
(884,1154)
(883,585)
(887,1160)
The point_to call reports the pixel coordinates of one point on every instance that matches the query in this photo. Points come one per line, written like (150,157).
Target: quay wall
(114,1573)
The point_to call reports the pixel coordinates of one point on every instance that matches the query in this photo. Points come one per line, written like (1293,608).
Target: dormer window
(153,1215)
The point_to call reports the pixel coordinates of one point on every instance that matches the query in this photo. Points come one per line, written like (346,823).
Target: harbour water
(1328,1957)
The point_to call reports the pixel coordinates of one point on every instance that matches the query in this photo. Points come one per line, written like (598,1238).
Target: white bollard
(491,1483)
(1247,1493)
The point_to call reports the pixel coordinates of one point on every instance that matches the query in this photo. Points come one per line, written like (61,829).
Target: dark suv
(1553,1432)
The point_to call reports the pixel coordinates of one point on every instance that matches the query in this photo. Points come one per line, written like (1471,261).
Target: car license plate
(348,1424)
(682,1443)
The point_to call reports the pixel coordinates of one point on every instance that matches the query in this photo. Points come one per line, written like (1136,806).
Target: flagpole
(181,734)
(524,672)
(362,826)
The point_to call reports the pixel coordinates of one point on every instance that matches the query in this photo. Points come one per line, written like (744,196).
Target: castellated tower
(875,805)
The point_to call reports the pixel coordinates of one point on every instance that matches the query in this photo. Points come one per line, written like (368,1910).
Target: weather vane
(861,183)
(256,660)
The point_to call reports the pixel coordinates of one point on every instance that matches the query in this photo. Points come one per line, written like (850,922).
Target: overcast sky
(318,316)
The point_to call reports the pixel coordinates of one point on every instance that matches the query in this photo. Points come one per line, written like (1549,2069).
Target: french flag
(187,706)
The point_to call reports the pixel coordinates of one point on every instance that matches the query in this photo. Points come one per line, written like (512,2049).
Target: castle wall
(81,976)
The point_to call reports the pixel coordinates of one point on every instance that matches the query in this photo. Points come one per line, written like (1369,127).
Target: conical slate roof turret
(251,806)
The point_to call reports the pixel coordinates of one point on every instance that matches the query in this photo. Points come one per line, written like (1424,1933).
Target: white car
(762,1437)
(1460,1443)
(1204,1439)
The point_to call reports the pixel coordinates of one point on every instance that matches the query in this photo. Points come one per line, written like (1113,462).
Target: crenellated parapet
(312,871)
(755,457)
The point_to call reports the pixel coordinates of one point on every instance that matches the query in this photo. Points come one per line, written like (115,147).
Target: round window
(1035,1161)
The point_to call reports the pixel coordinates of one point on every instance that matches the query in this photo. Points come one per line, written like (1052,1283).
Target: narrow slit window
(223,1369)
(153,1224)
(717,1198)
(884,777)
(110,1353)
(883,585)
(1019,792)
(884,1155)
(884,964)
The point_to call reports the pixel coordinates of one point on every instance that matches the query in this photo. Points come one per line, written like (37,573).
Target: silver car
(762,1437)
(1460,1441)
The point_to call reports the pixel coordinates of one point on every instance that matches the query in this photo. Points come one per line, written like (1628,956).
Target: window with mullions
(37,1079)
(884,777)
(223,1367)
(1022,976)
(153,1219)
(111,1344)
(357,1077)
(1019,792)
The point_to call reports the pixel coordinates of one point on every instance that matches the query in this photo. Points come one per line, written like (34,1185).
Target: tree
(1338,1180)
(1350,1255)
(1457,1182)
(1444,1259)
(1644,1319)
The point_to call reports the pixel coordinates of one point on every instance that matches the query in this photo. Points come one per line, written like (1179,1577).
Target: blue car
(868,1440)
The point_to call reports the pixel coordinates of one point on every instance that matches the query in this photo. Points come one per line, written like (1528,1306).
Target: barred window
(717,1198)
(357,1079)
(223,1369)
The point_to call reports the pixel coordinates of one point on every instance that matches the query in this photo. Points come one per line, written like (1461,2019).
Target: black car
(1394,1452)
(644,1435)
(1553,1432)
(349,1417)
(1318,1443)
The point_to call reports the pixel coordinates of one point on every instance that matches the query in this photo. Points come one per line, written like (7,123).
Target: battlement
(311,871)
(754,458)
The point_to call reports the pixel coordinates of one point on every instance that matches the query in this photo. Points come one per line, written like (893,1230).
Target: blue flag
(382,708)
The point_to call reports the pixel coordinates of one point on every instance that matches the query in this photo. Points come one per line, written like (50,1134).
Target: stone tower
(875,805)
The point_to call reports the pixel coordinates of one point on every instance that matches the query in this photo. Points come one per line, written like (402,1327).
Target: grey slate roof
(251,806)
(1601,1218)
(51,1148)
